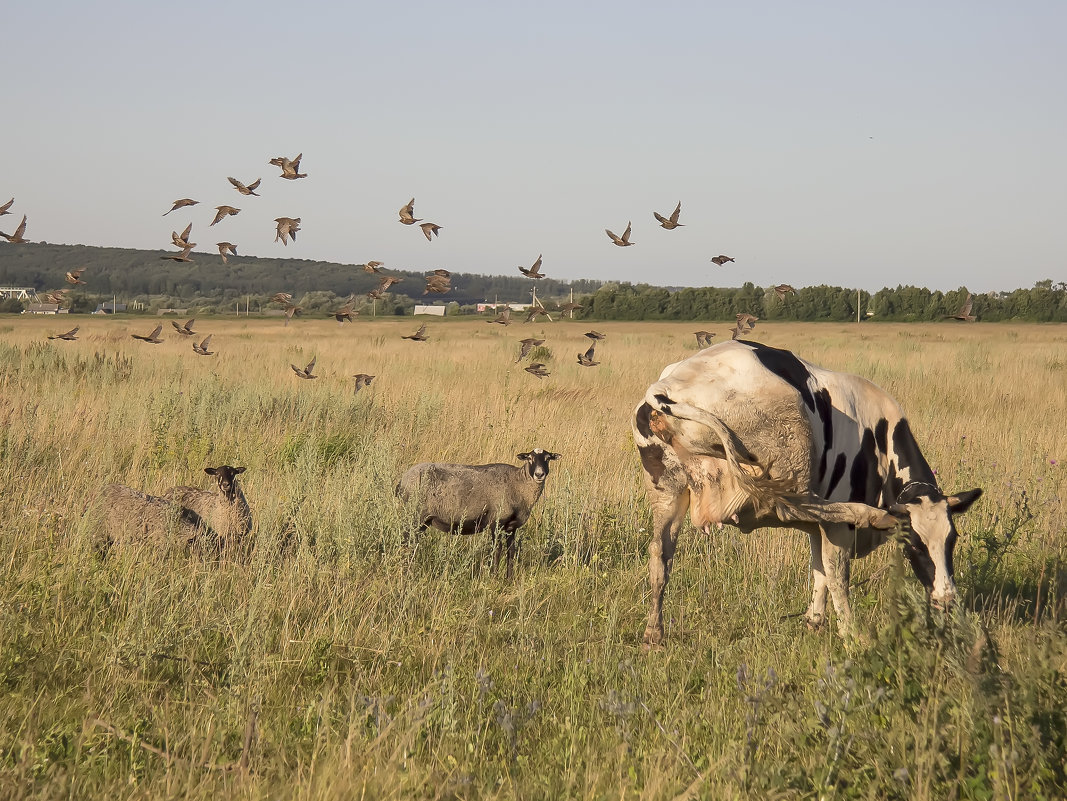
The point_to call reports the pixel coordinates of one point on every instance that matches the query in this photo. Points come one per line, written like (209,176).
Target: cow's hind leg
(816,614)
(838,542)
(668,512)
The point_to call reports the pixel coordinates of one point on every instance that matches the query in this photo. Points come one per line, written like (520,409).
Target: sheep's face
(537,462)
(227,478)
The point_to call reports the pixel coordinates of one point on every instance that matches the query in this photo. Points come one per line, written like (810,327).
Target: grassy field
(345,661)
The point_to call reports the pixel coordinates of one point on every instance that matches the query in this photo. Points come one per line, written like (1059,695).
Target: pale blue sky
(852,143)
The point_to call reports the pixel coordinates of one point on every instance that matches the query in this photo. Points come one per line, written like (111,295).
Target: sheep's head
(227,478)
(537,462)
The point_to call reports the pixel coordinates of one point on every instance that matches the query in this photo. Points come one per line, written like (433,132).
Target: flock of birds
(438,281)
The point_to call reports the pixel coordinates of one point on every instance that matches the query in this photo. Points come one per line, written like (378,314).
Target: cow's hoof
(653,640)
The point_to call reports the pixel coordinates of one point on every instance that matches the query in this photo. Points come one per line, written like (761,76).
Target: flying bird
(153,337)
(595,335)
(362,380)
(224,212)
(290,167)
(526,345)
(504,318)
(226,249)
(201,349)
(538,370)
(4,208)
(344,314)
(566,307)
(964,314)
(373,266)
(704,338)
(537,311)
(69,336)
(721,260)
(74,276)
(622,241)
(306,372)
(182,240)
(586,359)
(281,297)
(183,256)
(438,282)
(430,228)
(407,213)
(181,203)
(185,330)
(17,237)
(669,222)
(290,310)
(745,324)
(57,296)
(782,290)
(287,227)
(387,281)
(418,336)
(533,272)
(245,190)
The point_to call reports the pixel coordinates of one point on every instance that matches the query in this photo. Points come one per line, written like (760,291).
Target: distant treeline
(143,277)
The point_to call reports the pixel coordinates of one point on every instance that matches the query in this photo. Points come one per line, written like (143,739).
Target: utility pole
(857,305)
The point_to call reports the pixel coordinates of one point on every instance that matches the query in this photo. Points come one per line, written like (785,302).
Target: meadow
(346,659)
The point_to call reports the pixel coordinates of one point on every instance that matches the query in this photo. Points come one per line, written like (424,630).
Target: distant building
(45,308)
(173,311)
(484,307)
(438,311)
(109,308)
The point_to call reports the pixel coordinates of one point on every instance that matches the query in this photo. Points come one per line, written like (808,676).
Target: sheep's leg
(512,545)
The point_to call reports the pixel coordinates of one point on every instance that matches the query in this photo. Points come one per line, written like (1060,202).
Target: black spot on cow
(787,367)
(881,433)
(864,481)
(919,556)
(910,460)
(663,400)
(836,474)
(652,461)
(642,420)
(825,408)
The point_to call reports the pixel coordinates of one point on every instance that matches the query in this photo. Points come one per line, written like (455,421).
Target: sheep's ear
(238,470)
(210,471)
(524,457)
(550,456)
(961,501)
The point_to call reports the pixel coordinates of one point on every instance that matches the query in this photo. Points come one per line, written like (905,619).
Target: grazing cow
(752,435)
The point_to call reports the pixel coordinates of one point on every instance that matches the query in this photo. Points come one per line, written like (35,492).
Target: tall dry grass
(346,659)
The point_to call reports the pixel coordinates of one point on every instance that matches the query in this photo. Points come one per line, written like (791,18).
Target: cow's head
(932,535)
(537,462)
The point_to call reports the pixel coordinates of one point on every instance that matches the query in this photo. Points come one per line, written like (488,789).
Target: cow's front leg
(816,614)
(668,512)
(838,542)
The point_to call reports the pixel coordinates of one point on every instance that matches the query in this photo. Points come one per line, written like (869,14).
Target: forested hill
(132,274)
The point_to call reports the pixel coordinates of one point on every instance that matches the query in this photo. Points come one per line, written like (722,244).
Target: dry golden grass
(403,670)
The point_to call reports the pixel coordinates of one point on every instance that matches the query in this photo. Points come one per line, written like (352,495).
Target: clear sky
(862,144)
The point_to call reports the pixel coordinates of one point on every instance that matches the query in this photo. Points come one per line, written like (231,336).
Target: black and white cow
(751,435)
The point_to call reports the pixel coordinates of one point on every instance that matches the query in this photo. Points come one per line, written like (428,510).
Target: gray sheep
(132,517)
(467,499)
(225,511)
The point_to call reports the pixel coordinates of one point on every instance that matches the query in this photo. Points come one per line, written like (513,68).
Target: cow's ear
(961,501)
(523,457)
